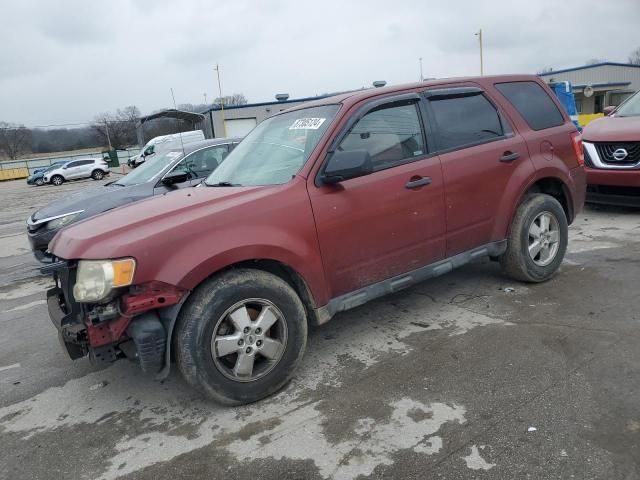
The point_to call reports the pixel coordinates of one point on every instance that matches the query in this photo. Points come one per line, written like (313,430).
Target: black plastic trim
(363,295)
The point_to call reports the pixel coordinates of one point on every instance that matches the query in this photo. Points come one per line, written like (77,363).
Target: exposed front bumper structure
(134,324)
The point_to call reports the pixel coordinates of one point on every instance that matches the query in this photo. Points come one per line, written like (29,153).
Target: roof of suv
(353,97)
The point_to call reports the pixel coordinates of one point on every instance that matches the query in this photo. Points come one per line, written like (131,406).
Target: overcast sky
(64,61)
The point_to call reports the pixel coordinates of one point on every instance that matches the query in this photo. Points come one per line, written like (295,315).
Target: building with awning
(598,85)
(194,119)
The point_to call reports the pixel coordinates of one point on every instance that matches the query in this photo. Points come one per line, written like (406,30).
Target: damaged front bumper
(136,323)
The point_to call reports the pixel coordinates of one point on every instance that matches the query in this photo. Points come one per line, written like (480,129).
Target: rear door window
(392,134)
(464,120)
(533,103)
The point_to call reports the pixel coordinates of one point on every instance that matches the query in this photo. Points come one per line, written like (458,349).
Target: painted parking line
(9,367)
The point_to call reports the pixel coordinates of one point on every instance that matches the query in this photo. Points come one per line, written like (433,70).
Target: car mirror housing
(608,110)
(175,177)
(344,165)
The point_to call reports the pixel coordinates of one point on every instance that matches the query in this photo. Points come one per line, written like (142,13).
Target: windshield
(276,149)
(630,108)
(149,169)
(54,166)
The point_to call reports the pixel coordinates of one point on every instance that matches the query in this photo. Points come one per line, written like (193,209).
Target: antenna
(180,133)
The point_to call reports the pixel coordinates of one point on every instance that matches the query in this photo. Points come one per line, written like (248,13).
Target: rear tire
(218,331)
(97,174)
(39,182)
(57,180)
(537,241)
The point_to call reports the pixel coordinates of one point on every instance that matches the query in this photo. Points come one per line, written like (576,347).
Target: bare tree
(231,100)
(545,70)
(14,140)
(634,57)
(117,128)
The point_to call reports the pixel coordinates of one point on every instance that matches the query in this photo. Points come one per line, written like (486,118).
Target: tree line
(117,128)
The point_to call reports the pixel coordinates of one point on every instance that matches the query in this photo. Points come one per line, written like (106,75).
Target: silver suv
(95,168)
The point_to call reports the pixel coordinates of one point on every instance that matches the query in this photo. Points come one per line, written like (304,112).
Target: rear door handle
(509,157)
(419,182)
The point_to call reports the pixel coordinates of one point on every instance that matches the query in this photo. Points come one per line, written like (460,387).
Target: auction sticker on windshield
(307,124)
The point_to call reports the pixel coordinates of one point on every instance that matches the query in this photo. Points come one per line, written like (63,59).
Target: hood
(613,129)
(94,200)
(173,216)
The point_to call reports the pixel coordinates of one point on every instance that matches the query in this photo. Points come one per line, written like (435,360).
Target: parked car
(320,209)
(77,169)
(37,176)
(171,170)
(163,143)
(612,155)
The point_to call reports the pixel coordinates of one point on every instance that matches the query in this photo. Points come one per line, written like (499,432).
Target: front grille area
(607,151)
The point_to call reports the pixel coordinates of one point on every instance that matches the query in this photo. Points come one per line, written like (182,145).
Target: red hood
(127,231)
(613,129)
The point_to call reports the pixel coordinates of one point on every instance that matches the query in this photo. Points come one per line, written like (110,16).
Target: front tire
(39,182)
(57,180)
(240,336)
(537,241)
(97,174)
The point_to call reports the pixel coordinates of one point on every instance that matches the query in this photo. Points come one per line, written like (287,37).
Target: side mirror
(344,165)
(174,177)
(608,110)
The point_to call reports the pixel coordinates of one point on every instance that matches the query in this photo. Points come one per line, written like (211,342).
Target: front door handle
(419,182)
(509,157)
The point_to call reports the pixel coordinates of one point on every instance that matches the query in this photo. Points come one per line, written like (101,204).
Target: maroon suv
(612,156)
(320,209)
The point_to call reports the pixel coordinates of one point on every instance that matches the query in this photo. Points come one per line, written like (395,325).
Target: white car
(95,168)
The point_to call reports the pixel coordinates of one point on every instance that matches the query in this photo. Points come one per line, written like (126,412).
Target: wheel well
(558,190)
(289,275)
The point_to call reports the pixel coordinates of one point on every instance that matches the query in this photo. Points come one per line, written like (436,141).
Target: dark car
(171,170)
(612,156)
(320,209)
(37,176)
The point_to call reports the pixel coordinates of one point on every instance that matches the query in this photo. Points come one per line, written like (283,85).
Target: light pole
(224,126)
(421,76)
(205,97)
(479,35)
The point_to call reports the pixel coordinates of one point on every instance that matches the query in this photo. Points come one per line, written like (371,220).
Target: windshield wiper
(222,184)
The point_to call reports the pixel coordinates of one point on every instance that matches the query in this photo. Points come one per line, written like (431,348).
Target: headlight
(96,279)
(62,221)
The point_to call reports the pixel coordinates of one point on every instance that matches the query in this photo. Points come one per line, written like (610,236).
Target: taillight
(576,139)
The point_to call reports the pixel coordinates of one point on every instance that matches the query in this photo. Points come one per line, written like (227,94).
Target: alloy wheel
(544,239)
(249,340)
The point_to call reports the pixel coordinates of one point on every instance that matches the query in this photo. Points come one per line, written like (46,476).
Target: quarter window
(465,120)
(533,103)
(391,134)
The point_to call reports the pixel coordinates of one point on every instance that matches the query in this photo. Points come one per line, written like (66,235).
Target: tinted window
(86,162)
(73,164)
(533,103)
(465,120)
(391,134)
(203,162)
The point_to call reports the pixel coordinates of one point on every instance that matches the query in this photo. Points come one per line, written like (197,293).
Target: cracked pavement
(457,377)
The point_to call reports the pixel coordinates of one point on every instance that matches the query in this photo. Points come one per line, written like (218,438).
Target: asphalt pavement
(469,375)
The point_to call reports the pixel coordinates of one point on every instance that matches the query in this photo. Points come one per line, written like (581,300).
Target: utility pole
(106,126)
(479,35)
(421,76)
(205,97)
(224,126)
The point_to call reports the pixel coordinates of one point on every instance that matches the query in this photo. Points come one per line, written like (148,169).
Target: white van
(165,142)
